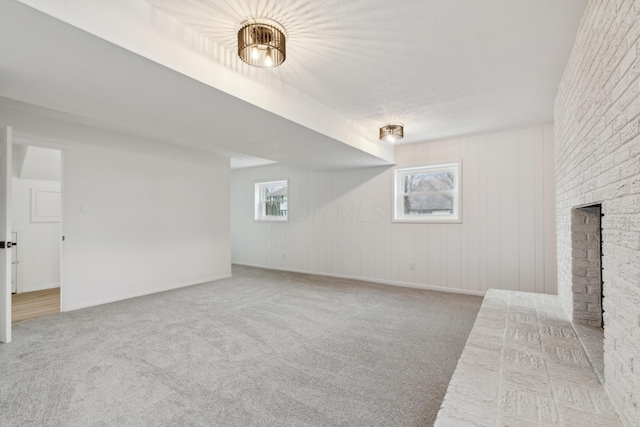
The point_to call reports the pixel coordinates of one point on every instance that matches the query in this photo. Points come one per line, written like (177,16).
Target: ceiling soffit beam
(140,28)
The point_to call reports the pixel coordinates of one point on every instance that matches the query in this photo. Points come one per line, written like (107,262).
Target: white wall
(36,162)
(340,222)
(156,216)
(38,242)
(597,113)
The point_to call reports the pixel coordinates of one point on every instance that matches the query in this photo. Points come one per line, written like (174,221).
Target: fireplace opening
(600,215)
(586,267)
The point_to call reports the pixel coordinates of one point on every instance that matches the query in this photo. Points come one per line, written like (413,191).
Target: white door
(14,262)
(5,234)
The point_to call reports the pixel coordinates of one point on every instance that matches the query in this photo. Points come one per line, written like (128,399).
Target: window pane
(271,200)
(273,209)
(436,204)
(427,194)
(275,200)
(273,191)
(428,181)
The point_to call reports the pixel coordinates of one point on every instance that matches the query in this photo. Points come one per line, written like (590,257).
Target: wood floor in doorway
(29,305)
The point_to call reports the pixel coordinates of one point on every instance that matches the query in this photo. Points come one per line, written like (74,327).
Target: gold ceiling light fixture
(391,133)
(262,43)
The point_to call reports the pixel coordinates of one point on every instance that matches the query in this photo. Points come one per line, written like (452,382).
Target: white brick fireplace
(597,133)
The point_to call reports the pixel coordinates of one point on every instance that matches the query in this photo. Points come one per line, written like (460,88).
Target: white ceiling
(442,67)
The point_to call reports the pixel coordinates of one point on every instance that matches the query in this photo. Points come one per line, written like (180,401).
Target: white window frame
(398,201)
(260,203)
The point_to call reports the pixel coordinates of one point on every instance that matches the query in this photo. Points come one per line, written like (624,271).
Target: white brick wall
(597,127)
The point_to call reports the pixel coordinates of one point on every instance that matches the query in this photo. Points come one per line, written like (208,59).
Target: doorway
(36,230)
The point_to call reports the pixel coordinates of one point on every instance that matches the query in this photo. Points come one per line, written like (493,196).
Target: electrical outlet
(412,266)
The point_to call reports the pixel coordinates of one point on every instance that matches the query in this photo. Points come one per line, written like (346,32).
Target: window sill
(427,221)
(271,220)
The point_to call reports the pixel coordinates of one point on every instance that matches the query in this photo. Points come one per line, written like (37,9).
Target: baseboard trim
(143,293)
(369,279)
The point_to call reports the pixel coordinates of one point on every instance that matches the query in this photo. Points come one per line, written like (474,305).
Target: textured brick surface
(523,365)
(586,283)
(597,133)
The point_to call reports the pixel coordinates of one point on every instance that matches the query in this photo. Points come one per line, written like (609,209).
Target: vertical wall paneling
(538,207)
(435,255)
(451,153)
(472,220)
(365,225)
(483,210)
(526,212)
(383,190)
(549,212)
(492,194)
(464,227)
(341,222)
(509,233)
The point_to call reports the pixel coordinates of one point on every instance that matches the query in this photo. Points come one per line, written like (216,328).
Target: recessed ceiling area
(168,70)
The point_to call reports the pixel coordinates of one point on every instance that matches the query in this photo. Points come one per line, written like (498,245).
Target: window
(271,200)
(428,194)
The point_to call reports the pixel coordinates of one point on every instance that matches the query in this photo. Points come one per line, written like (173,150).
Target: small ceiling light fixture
(391,133)
(262,43)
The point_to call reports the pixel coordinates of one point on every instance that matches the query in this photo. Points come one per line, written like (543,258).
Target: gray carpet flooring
(263,348)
